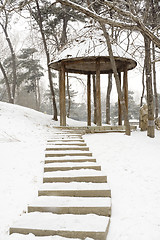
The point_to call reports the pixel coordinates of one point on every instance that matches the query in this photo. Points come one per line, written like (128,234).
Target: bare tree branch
(136,23)
(96,16)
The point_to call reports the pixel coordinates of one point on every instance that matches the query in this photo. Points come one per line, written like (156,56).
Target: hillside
(23,134)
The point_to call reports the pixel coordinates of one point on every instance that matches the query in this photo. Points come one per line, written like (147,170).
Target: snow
(74,173)
(131,164)
(70,164)
(71,201)
(32,237)
(75,186)
(89,42)
(67,158)
(23,135)
(50,221)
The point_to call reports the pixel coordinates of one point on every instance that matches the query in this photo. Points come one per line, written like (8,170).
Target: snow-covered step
(67,153)
(65,140)
(66,225)
(73,143)
(72,205)
(66,159)
(66,136)
(64,148)
(48,167)
(30,236)
(83,175)
(75,189)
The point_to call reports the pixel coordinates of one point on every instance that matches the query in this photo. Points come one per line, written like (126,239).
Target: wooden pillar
(89,99)
(62,97)
(119,105)
(98,94)
(125,87)
(94,98)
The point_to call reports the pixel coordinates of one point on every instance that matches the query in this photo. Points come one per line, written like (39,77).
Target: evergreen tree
(29,73)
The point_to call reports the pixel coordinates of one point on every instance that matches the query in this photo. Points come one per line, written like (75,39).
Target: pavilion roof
(89,45)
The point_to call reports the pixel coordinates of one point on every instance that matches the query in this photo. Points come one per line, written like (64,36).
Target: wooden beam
(119,105)
(62,97)
(98,94)
(89,99)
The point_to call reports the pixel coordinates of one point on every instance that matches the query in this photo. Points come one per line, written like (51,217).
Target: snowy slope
(23,134)
(131,163)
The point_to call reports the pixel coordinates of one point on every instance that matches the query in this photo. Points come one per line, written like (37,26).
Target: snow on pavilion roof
(88,45)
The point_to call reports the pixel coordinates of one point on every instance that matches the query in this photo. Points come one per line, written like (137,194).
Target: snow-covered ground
(131,163)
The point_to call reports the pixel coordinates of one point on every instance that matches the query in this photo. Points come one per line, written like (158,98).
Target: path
(74,200)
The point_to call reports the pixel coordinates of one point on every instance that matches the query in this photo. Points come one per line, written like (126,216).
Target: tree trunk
(114,68)
(6,83)
(94,99)
(150,130)
(48,61)
(64,31)
(109,88)
(13,56)
(154,82)
(36,96)
(143,85)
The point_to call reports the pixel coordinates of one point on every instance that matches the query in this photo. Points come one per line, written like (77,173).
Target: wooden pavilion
(88,55)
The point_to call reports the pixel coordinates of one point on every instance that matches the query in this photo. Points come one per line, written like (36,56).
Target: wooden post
(89,99)
(62,98)
(98,93)
(125,87)
(119,105)
(94,98)
(108,96)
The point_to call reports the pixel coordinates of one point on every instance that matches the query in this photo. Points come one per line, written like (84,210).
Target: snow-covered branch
(135,22)
(96,16)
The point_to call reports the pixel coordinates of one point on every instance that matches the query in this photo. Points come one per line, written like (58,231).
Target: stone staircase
(74,200)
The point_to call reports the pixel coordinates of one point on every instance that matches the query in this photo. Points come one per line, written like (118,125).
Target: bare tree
(4,22)
(150,131)
(39,21)
(6,83)
(130,19)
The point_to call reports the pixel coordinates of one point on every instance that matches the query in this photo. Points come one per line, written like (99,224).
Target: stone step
(65,140)
(30,236)
(66,136)
(72,205)
(64,148)
(49,167)
(75,189)
(66,225)
(83,175)
(74,143)
(109,131)
(66,159)
(67,153)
